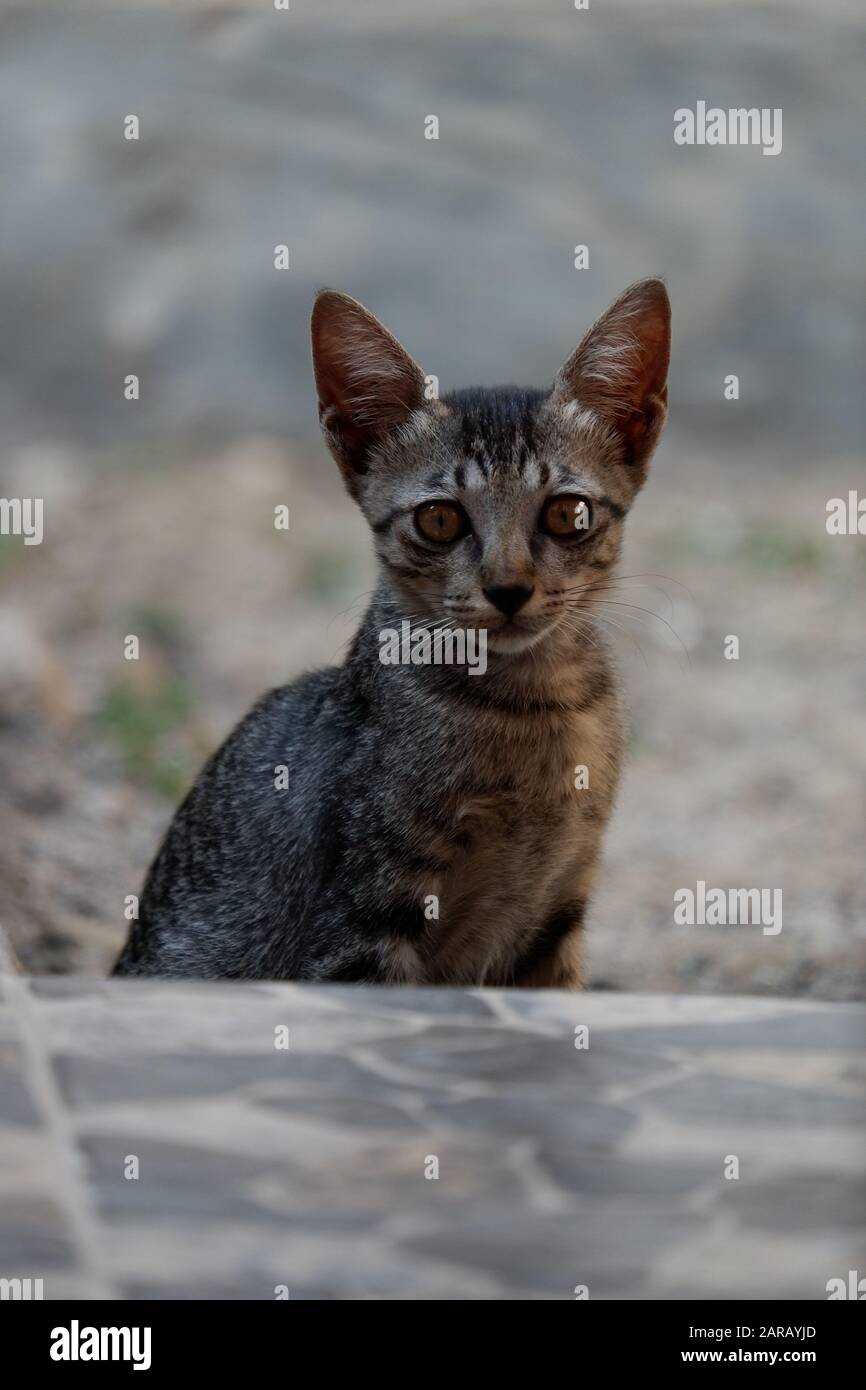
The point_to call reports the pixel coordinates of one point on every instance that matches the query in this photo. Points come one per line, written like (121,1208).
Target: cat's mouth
(512,637)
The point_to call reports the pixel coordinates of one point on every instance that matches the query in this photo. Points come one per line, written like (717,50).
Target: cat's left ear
(620,369)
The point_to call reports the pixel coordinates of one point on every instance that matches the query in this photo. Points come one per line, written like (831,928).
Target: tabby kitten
(431,831)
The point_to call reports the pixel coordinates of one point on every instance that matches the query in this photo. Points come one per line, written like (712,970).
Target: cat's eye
(441,521)
(566,518)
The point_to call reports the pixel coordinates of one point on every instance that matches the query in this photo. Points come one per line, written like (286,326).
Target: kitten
(432,831)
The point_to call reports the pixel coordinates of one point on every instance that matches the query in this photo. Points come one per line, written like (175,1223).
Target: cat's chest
(510,843)
(497,890)
(532,778)
(513,844)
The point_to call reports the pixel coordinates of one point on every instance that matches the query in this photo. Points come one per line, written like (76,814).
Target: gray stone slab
(719,1099)
(608,1248)
(842,1029)
(100,1081)
(803,1202)
(34,1236)
(554,1166)
(576,1121)
(16,1102)
(174,1180)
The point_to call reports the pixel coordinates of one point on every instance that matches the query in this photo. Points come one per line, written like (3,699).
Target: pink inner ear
(366,381)
(655,349)
(361,370)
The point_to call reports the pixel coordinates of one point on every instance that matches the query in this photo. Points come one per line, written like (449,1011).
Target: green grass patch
(329,573)
(162,627)
(149,730)
(11,549)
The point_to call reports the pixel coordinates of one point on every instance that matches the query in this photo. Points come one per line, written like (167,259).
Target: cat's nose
(509,598)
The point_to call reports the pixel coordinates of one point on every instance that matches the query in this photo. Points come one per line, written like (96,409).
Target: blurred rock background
(156,258)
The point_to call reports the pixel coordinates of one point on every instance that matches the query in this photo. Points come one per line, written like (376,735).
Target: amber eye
(441,521)
(566,518)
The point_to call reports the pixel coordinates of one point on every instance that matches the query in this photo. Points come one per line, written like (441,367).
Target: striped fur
(432,832)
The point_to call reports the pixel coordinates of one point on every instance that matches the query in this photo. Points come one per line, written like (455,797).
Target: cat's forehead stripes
(436,479)
(532,472)
(474,476)
(496,429)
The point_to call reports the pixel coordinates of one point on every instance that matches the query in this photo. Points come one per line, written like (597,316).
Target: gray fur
(431,830)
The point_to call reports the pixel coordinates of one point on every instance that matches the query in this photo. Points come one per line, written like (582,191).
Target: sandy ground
(748,773)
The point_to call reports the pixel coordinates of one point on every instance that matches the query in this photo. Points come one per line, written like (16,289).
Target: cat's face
(497,509)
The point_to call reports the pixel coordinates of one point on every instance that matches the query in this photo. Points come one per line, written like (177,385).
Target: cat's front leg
(373,946)
(553,959)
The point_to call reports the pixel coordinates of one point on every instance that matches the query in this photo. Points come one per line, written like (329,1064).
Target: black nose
(509,598)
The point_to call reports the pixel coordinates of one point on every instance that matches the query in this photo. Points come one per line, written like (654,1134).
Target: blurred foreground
(269,1174)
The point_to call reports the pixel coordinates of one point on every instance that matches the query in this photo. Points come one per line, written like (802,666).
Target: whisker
(585,628)
(348,609)
(613,603)
(637,578)
(606,619)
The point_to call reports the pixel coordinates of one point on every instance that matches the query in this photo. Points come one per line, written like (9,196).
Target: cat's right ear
(620,370)
(367,383)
